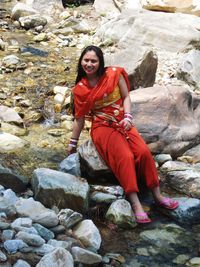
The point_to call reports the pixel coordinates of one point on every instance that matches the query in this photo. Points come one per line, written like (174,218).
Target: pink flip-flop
(142,218)
(168,203)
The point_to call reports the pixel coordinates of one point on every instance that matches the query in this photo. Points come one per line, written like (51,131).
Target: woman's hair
(80,72)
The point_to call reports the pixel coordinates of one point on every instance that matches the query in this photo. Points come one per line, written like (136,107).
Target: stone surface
(60,189)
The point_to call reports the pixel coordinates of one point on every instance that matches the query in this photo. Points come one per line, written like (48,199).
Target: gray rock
(54,188)
(7,235)
(100,197)
(30,239)
(2,257)
(32,21)
(187,212)
(13,180)
(120,213)
(69,218)
(37,212)
(88,234)
(12,246)
(85,256)
(43,231)
(189,68)
(21,263)
(58,258)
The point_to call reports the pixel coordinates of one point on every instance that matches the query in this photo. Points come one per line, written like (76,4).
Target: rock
(189,68)
(9,142)
(10,61)
(120,213)
(30,239)
(32,21)
(54,188)
(162,158)
(12,180)
(12,246)
(21,10)
(44,232)
(13,129)
(88,234)
(182,177)
(185,6)
(58,258)
(21,222)
(165,126)
(71,165)
(187,212)
(2,257)
(85,256)
(21,263)
(194,153)
(37,212)
(10,115)
(69,218)
(91,162)
(100,197)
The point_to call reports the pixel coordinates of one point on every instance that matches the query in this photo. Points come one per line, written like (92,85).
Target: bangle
(128,117)
(73,142)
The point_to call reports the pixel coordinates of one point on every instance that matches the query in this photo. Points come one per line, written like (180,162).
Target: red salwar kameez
(125,152)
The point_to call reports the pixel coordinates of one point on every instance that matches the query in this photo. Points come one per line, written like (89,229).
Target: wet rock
(12,180)
(13,129)
(187,212)
(120,213)
(64,191)
(10,115)
(88,234)
(69,218)
(32,21)
(85,256)
(9,142)
(37,212)
(194,262)
(55,258)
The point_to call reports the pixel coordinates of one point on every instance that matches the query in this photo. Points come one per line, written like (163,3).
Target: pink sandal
(142,217)
(168,203)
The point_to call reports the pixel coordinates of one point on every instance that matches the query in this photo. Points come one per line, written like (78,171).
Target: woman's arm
(77,128)
(127,121)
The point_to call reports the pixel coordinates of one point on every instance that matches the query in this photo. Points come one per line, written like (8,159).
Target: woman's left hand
(126,124)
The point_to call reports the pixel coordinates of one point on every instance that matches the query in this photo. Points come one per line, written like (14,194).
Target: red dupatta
(85,96)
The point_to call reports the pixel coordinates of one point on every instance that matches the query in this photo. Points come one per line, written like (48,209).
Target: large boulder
(167,118)
(137,30)
(54,188)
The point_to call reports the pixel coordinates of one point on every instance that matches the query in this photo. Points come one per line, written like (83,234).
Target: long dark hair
(80,72)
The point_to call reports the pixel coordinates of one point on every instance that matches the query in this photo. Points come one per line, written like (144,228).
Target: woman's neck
(93,80)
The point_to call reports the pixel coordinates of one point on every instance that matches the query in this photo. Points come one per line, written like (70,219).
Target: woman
(103,94)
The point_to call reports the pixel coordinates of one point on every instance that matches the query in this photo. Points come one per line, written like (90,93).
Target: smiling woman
(103,94)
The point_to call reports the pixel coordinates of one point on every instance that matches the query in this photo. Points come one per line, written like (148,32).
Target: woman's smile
(90,63)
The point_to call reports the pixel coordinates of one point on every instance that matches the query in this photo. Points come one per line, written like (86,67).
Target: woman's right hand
(71,150)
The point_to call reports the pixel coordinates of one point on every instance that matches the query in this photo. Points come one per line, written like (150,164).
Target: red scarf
(85,96)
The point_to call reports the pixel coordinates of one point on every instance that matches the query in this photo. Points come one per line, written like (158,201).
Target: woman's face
(90,63)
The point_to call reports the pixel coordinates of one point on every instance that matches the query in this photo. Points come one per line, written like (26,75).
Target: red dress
(125,152)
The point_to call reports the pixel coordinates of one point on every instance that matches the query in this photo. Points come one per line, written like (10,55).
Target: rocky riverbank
(48,214)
